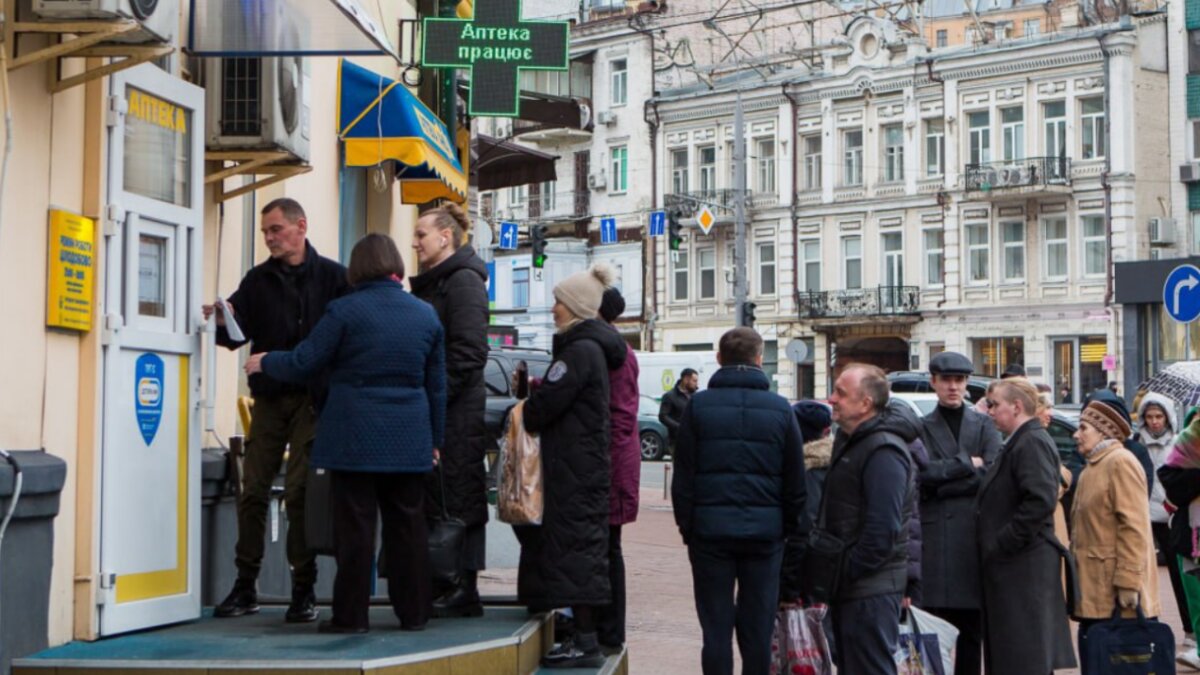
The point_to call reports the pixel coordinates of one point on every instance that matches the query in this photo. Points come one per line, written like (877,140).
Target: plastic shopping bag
(519,491)
(926,645)
(799,645)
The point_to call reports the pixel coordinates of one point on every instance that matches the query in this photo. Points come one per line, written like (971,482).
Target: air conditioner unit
(159,18)
(1162,231)
(606,118)
(596,181)
(1189,173)
(258,104)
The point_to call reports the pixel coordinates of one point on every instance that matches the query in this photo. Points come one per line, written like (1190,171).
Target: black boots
(460,601)
(242,600)
(304,605)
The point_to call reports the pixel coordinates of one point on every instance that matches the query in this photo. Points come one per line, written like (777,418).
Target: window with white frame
(679,275)
(979,136)
(766,268)
(765,150)
(852,157)
(935,148)
(520,286)
(1095,248)
(1054,245)
(812,162)
(1031,27)
(1012,235)
(1012,133)
(620,168)
(852,262)
(620,80)
(1091,127)
(706,260)
(942,38)
(935,257)
(679,170)
(708,169)
(516,195)
(549,202)
(979,252)
(893,153)
(810,261)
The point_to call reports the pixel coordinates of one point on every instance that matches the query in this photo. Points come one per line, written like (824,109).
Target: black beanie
(814,418)
(612,305)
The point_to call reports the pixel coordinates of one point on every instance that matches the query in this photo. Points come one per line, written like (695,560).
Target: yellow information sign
(71,273)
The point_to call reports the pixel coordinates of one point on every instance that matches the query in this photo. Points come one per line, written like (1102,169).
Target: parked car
(497,376)
(921,403)
(903,381)
(652,433)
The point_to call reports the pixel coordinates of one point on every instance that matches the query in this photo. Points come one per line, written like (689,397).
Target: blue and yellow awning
(380,121)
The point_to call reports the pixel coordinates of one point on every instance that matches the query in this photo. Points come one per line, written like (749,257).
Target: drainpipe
(794,107)
(652,264)
(943,197)
(1108,276)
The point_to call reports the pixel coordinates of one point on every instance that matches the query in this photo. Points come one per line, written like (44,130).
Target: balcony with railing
(859,302)
(1029,176)
(571,204)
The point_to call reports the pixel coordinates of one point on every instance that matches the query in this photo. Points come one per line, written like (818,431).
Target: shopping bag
(926,645)
(1120,646)
(519,492)
(318,511)
(799,645)
(447,537)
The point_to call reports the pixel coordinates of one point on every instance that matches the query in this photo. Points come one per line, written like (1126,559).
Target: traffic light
(537,239)
(748,317)
(674,230)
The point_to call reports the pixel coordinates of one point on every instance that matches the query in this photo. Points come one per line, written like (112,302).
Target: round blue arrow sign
(1181,293)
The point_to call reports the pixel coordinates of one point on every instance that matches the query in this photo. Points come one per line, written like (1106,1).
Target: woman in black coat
(564,562)
(455,283)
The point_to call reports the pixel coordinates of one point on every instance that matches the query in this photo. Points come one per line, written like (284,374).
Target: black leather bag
(447,537)
(318,511)
(1070,573)
(824,560)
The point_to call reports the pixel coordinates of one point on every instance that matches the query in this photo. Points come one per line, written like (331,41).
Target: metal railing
(1017,173)
(688,203)
(568,204)
(878,301)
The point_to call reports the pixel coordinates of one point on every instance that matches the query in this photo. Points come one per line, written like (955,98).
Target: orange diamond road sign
(705,219)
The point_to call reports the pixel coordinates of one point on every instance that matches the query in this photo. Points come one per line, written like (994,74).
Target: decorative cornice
(1023,66)
(701,110)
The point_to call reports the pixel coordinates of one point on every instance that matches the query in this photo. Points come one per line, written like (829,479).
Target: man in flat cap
(961,443)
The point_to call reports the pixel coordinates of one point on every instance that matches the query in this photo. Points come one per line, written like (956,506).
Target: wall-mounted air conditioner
(159,18)
(1162,231)
(596,181)
(1190,173)
(606,118)
(258,104)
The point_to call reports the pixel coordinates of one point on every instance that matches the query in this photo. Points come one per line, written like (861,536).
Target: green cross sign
(495,46)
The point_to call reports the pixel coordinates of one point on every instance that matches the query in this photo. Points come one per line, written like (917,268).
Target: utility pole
(740,290)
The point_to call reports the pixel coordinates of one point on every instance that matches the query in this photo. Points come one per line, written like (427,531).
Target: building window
(679,170)
(520,287)
(1013,235)
(766,165)
(708,170)
(516,195)
(812,162)
(935,258)
(620,169)
(935,148)
(549,202)
(1095,249)
(810,279)
(1012,130)
(979,125)
(679,273)
(707,259)
(770,364)
(978,253)
(893,153)
(852,146)
(992,355)
(942,40)
(893,263)
(1195,139)
(620,90)
(852,257)
(1054,234)
(766,269)
(1091,116)
(1031,27)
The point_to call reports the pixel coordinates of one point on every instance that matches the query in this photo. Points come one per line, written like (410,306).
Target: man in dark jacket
(276,305)
(738,492)
(674,402)
(962,444)
(867,504)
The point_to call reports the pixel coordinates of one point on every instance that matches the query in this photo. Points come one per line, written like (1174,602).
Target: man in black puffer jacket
(738,492)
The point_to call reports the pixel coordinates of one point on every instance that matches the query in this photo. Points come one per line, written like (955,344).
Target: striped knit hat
(1107,420)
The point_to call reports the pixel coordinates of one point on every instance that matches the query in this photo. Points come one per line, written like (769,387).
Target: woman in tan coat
(1110,525)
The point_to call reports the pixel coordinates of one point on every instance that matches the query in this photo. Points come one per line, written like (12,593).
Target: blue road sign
(508,236)
(608,230)
(1181,297)
(658,223)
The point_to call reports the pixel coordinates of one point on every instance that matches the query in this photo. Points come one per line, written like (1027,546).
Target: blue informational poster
(148,394)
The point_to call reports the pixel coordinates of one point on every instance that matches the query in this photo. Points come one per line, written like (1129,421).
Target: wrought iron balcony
(720,201)
(878,301)
(1032,174)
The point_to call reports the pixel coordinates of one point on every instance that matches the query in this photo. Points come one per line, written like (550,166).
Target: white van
(659,371)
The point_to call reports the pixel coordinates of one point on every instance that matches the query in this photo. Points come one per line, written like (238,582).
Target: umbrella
(1179,382)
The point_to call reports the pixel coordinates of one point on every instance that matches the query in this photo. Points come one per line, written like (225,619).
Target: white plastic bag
(519,491)
(799,645)
(926,645)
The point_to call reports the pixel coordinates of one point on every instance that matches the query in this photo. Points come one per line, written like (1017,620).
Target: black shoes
(328,626)
(571,653)
(242,600)
(462,601)
(304,605)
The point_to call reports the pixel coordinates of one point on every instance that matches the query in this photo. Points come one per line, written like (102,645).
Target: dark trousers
(357,500)
(969,647)
(1162,539)
(753,567)
(610,619)
(867,631)
(286,422)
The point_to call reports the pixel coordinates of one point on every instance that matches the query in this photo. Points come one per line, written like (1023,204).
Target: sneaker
(1189,643)
(304,605)
(1189,659)
(568,655)
(242,600)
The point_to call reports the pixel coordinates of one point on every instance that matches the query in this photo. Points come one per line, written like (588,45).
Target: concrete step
(615,664)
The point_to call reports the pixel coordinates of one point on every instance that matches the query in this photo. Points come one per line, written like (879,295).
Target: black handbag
(1070,573)
(318,511)
(447,538)
(1120,646)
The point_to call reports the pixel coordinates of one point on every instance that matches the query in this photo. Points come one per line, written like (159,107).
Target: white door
(150,481)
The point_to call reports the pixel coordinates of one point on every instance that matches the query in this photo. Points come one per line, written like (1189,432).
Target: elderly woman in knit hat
(1110,524)
(564,561)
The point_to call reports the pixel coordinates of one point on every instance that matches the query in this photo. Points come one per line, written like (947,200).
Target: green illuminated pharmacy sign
(496,46)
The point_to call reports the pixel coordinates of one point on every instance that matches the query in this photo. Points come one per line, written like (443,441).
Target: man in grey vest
(961,444)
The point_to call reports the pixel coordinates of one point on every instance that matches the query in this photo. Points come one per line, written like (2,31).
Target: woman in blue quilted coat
(379,430)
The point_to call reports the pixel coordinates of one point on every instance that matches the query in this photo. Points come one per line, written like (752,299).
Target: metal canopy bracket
(87,43)
(276,166)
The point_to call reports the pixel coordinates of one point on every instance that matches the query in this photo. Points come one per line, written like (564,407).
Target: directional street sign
(1180,294)
(658,223)
(508,236)
(608,230)
(705,219)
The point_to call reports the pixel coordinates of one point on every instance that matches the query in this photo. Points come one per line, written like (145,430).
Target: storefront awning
(497,164)
(284,28)
(380,121)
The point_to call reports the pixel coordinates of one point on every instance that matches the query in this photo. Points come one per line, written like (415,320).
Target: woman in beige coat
(1110,525)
